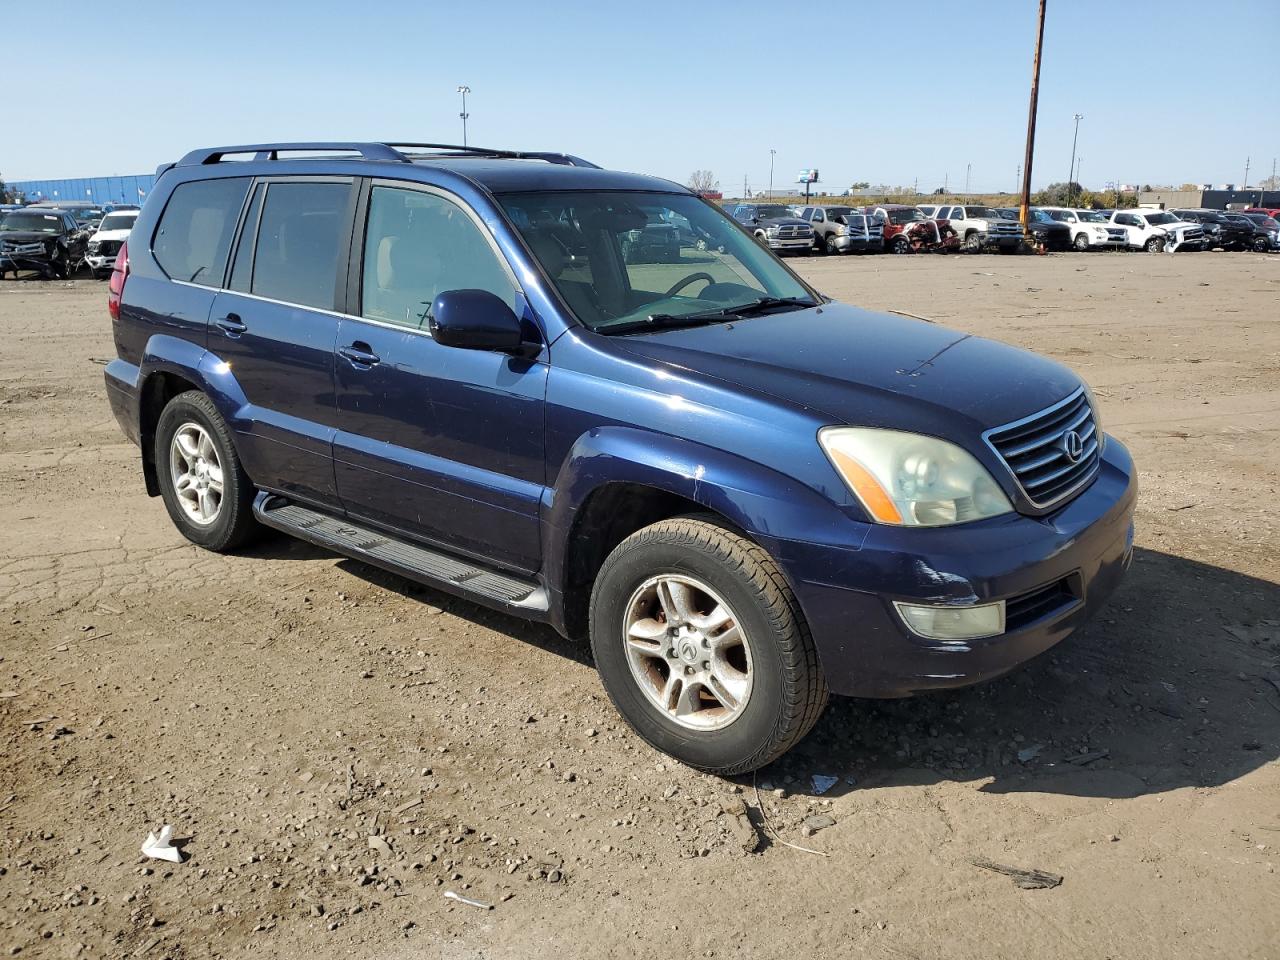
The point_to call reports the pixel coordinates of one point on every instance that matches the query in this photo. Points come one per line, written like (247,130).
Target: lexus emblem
(1072,446)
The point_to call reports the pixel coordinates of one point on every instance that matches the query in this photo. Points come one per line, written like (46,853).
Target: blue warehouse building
(126,189)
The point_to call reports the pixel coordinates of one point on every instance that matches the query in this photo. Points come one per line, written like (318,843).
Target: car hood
(112,235)
(780,222)
(865,368)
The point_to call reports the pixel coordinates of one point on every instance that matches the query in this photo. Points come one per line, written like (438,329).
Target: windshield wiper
(765,304)
(668,321)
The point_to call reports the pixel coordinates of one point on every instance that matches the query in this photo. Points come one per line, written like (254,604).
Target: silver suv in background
(979,227)
(838,229)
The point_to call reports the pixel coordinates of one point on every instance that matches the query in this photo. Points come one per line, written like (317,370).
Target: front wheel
(900,245)
(1081,242)
(832,247)
(1260,245)
(1154,245)
(702,648)
(205,489)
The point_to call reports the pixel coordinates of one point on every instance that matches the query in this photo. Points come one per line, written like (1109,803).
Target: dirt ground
(284,706)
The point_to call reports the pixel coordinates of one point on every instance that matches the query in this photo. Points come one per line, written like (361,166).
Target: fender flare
(755,498)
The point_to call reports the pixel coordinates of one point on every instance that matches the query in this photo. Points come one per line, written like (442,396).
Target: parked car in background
(100,253)
(44,239)
(1253,234)
(1156,230)
(908,230)
(86,212)
(979,227)
(1269,228)
(1219,232)
(743,494)
(839,229)
(775,226)
(1046,232)
(1090,229)
(1273,212)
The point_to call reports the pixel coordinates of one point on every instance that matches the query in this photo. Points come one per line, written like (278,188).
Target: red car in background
(908,230)
(1269,211)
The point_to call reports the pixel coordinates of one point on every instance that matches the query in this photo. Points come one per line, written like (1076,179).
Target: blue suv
(453,364)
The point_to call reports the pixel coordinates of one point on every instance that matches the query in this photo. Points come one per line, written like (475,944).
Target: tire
(973,241)
(774,669)
(1081,242)
(831,247)
(1154,245)
(900,245)
(231,524)
(1260,245)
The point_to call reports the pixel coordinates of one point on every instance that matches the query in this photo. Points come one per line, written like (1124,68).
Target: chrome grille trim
(1031,449)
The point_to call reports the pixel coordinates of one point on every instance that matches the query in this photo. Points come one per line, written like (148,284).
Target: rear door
(441,443)
(276,328)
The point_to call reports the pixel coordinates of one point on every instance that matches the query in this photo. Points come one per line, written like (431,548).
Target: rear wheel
(702,648)
(205,489)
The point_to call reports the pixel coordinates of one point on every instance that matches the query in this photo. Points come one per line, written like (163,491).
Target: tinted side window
(242,265)
(417,246)
(296,258)
(194,233)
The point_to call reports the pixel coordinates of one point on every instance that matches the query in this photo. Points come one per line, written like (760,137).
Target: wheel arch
(616,481)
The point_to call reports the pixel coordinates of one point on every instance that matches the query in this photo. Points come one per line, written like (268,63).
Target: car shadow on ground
(1176,683)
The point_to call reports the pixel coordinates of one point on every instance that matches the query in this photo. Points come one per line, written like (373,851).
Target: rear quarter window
(194,233)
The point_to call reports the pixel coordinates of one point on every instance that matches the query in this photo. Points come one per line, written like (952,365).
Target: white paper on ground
(160,847)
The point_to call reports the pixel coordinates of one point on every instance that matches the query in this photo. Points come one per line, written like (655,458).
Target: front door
(276,329)
(441,443)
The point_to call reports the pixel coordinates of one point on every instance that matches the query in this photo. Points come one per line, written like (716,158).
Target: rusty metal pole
(1024,213)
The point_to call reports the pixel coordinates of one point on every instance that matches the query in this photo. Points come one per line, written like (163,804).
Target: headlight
(771,231)
(1099,231)
(1097,417)
(912,480)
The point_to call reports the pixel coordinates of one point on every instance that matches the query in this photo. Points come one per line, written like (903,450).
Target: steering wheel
(691,278)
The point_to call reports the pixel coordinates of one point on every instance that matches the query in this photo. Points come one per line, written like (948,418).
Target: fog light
(953,623)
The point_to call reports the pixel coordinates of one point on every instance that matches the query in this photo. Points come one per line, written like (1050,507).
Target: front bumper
(1074,558)
(848,243)
(97,262)
(790,243)
(19,261)
(1005,241)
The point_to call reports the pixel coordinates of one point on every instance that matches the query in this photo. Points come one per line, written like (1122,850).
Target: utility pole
(745,195)
(464,90)
(772,154)
(1024,206)
(1017,179)
(1245,186)
(968,168)
(946,179)
(1079,175)
(1072,174)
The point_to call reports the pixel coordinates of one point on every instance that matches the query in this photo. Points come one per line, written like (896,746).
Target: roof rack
(373,151)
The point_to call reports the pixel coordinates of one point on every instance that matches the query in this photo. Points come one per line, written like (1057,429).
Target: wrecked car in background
(43,239)
(908,230)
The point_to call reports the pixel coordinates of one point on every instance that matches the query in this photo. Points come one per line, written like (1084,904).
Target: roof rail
(272,151)
(453,149)
(374,151)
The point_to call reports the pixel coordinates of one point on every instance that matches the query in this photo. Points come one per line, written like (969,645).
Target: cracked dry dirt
(282,706)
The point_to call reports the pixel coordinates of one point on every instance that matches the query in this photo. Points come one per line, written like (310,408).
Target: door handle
(359,355)
(231,325)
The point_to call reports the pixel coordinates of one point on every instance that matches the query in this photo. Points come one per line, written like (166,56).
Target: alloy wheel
(196,473)
(688,652)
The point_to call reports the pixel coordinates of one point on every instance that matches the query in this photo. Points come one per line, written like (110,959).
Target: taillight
(115,286)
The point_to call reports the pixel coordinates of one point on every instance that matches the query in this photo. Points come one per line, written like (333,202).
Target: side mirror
(476,320)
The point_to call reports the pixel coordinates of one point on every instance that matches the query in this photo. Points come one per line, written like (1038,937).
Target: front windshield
(1040,216)
(983,213)
(1091,216)
(1158,218)
(833,212)
(613,267)
(31,222)
(85,214)
(774,213)
(907,215)
(118,221)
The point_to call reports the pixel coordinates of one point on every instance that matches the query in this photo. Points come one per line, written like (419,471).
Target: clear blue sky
(864,90)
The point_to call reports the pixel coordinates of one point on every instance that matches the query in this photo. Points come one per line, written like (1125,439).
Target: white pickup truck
(1156,230)
(1090,229)
(978,227)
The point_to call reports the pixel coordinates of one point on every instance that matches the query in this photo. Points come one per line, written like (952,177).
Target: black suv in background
(1219,231)
(44,239)
(775,226)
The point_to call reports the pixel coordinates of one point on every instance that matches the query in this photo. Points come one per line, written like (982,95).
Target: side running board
(452,574)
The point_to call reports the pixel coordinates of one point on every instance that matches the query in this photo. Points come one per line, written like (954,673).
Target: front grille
(1194,234)
(109,248)
(1035,449)
(1116,233)
(791,233)
(1025,609)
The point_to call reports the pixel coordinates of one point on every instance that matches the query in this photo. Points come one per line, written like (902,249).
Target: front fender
(757,499)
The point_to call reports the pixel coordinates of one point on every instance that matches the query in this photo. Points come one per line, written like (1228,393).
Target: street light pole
(464,90)
(1072,173)
(772,154)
